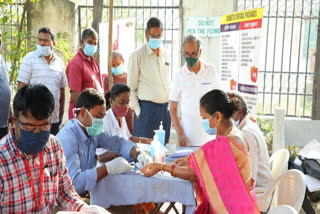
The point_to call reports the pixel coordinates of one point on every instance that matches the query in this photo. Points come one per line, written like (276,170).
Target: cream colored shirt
(261,172)
(148,77)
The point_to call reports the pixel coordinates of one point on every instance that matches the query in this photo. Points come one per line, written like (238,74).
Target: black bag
(311,167)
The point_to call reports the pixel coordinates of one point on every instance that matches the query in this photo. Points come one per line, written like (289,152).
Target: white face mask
(43,50)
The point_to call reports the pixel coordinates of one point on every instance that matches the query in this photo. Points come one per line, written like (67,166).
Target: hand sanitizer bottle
(161,134)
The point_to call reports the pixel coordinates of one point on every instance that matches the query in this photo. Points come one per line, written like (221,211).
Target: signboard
(240,38)
(122,40)
(203,26)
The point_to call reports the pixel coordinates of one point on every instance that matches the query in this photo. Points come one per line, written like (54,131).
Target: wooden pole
(110,44)
(316,80)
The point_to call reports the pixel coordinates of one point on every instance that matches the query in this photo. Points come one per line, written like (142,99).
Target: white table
(133,188)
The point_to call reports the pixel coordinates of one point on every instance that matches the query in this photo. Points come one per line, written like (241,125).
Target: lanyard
(38,206)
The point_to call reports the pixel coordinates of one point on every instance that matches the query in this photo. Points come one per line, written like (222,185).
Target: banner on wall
(203,26)
(240,39)
(123,40)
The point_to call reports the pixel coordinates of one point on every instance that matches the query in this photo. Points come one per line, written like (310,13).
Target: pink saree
(223,170)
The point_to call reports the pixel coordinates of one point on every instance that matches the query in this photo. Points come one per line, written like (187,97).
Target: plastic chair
(279,164)
(283,209)
(291,188)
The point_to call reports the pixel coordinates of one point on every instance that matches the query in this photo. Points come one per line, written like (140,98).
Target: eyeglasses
(193,55)
(154,36)
(32,128)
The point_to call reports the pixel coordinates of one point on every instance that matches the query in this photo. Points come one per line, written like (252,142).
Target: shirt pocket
(205,86)
(50,187)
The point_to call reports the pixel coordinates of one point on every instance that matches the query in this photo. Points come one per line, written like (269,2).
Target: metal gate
(141,10)
(287,54)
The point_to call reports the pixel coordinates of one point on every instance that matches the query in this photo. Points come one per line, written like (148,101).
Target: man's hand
(183,140)
(93,209)
(118,166)
(143,160)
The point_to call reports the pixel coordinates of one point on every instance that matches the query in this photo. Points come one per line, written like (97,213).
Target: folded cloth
(181,153)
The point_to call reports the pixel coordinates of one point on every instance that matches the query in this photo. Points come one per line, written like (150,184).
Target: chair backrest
(283,209)
(291,187)
(279,163)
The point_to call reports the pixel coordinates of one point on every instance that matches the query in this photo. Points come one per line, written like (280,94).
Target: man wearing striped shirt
(45,67)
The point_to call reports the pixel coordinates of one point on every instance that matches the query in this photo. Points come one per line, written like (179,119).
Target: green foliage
(266,126)
(63,47)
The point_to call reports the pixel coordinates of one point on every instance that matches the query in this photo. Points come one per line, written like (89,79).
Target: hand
(93,209)
(144,160)
(138,117)
(151,169)
(118,166)
(183,140)
(107,156)
(147,140)
(182,161)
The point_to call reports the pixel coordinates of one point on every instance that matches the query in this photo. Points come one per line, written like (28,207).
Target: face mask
(44,50)
(118,70)
(191,62)
(154,43)
(31,142)
(236,123)
(89,50)
(206,126)
(96,127)
(120,111)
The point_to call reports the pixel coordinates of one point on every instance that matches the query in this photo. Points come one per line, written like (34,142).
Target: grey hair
(89,32)
(116,54)
(192,38)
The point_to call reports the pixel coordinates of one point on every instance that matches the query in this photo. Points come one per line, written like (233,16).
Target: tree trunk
(316,80)
(97,17)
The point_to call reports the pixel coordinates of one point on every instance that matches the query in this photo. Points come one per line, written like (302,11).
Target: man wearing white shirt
(45,67)
(194,79)
(261,172)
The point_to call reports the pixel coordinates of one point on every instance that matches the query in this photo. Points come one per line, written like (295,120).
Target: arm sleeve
(254,151)
(133,82)
(25,70)
(175,93)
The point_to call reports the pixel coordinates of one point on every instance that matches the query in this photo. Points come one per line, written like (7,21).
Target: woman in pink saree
(220,169)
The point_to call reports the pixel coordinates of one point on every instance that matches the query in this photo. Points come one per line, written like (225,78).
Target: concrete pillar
(278,129)
(210,46)
(58,15)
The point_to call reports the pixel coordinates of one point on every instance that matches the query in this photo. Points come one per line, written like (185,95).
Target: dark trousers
(3,132)
(55,128)
(150,117)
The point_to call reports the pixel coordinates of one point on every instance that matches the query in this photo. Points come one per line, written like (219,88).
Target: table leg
(184,209)
(171,206)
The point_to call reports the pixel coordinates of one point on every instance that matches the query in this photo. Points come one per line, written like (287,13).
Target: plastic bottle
(153,145)
(156,152)
(161,134)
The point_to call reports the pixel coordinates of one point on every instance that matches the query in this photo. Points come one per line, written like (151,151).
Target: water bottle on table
(161,134)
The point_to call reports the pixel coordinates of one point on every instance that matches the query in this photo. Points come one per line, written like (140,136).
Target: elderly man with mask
(45,67)
(194,79)
(80,138)
(33,174)
(83,71)
(5,95)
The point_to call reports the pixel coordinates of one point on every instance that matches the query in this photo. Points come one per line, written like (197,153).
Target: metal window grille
(287,54)
(141,10)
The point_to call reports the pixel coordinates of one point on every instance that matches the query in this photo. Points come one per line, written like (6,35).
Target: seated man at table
(33,174)
(80,138)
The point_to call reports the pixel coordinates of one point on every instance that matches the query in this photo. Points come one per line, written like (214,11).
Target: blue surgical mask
(236,123)
(154,43)
(32,142)
(89,50)
(43,50)
(206,126)
(96,127)
(118,70)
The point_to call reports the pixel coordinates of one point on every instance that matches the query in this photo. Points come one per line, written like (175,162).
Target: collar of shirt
(203,67)
(81,135)
(243,122)
(149,51)
(81,54)
(14,143)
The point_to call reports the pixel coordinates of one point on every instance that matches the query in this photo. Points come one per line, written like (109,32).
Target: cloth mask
(120,111)
(191,62)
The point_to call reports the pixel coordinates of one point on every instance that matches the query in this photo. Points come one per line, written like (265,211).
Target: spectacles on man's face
(31,128)
(193,54)
(155,36)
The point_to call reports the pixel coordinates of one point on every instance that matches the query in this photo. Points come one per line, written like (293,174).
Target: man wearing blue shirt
(80,138)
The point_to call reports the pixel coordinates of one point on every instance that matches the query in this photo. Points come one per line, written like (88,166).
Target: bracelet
(162,168)
(172,170)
